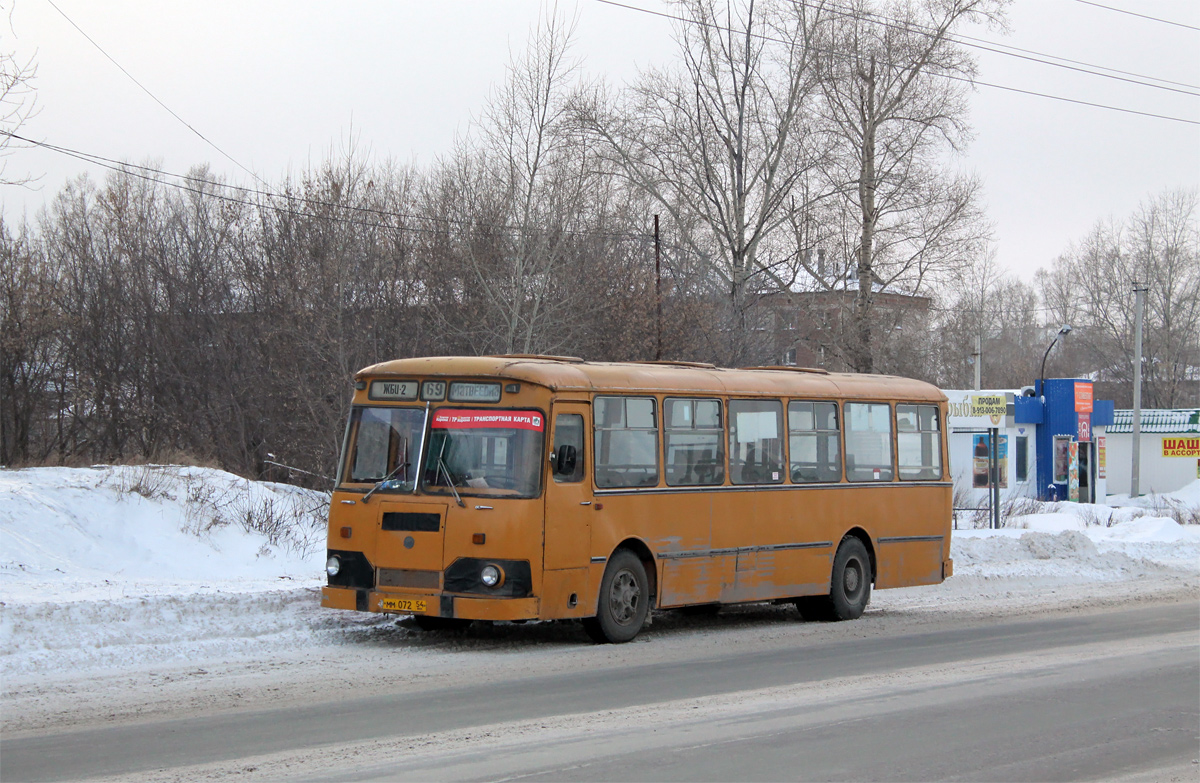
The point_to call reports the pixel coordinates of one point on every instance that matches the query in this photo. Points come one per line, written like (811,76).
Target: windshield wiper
(446,472)
(402,466)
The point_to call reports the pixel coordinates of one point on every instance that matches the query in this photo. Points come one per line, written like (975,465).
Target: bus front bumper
(433,604)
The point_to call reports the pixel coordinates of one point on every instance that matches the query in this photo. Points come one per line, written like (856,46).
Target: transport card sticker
(467,419)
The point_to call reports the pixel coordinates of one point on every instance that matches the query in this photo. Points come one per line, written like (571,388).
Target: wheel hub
(852,578)
(623,598)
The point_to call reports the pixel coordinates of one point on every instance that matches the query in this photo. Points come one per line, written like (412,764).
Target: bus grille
(401,577)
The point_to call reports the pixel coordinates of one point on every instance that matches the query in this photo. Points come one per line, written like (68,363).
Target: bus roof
(570,374)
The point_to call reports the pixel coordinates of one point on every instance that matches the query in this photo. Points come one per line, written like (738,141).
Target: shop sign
(1181,447)
(1083,396)
(977,410)
(1084,430)
(1101,457)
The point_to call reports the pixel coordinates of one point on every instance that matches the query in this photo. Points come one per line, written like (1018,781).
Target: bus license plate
(402,605)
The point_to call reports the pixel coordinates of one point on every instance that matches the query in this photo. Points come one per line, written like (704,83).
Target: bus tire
(849,586)
(624,600)
(429,623)
(815,608)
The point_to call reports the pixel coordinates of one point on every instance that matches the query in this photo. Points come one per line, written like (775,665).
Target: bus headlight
(491,576)
(333,566)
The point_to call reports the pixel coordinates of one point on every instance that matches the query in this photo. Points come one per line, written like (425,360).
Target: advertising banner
(975,409)
(1062,459)
(1083,396)
(981,451)
(1181,447)
(1073,482)
(1101,457)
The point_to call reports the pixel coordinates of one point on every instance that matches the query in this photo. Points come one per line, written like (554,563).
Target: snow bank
(113,568)
(1186,497)
(1077,556)
(71,534)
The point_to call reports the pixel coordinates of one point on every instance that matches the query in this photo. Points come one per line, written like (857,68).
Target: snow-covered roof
(1157,420)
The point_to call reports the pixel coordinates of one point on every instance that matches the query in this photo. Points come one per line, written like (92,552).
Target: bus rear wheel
(849,586)
(624,600)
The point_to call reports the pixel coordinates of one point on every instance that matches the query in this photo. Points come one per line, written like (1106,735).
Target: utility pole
(1139,292)
(657,296)
(978,361)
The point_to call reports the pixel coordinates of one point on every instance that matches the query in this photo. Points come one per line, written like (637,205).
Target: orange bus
(540,487)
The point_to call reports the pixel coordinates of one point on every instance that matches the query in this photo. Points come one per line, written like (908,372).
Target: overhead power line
(948,76)
(1141,16)
(146,90)
(1017,52)
(196,185)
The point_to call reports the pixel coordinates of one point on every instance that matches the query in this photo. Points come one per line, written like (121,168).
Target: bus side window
(568,431)
(626,441)
(756,441)
(868,441)
(693,442)
(918,442)
(813,442)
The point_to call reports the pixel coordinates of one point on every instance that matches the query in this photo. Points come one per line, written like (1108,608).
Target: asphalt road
(1133,710)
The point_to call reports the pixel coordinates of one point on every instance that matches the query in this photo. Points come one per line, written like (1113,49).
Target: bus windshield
(383,444)
(484,452)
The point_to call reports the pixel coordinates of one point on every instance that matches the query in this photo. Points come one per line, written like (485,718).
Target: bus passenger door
(569,492)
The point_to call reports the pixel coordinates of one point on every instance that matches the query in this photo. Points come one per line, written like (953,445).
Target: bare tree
(516,196)
(1091,287)
(18,103)
(30,353)
(724,143)
(1000,311)
(893,78)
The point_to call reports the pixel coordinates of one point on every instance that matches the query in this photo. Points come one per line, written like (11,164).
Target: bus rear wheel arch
(849,585)
(624,600)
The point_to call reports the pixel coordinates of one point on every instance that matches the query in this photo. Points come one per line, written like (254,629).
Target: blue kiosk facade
(1066,417)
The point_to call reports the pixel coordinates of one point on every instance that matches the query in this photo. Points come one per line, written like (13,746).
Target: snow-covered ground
(116,569)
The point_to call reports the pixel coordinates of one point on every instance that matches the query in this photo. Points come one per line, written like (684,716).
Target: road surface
(1069,696)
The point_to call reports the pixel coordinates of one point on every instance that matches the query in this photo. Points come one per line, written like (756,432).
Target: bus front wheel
(429,623)
(849,586)
(624,600)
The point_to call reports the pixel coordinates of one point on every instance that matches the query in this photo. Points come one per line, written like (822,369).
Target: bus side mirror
(564,460)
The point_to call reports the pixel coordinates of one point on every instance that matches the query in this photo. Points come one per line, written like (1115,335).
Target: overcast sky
(277,85)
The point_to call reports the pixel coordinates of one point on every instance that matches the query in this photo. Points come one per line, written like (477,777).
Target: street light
(1063,331)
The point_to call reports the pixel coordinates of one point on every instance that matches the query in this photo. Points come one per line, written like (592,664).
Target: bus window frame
(783,445)
(580,473)
(840,432)
(344,466)
(891,419)
(494,493)
(938,422)
(722,432)
(657,430)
